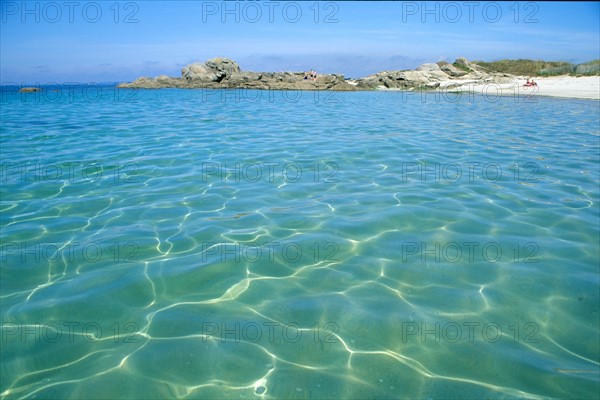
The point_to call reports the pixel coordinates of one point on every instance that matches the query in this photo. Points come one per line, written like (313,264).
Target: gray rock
(223,73)
(452,70)
(463,63)
(223,64)
(226,73)
(428,67)
(213,70)
(194,71)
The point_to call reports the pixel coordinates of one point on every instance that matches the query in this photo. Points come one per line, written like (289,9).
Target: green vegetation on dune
(462,67)
(589,68)
(541,68)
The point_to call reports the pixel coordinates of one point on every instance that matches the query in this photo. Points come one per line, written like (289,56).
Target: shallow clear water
(238,244)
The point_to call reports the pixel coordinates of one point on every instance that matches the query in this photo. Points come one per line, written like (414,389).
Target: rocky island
(223,73)
(30,90)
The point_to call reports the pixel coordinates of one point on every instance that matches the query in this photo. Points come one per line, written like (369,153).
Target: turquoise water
(236,244)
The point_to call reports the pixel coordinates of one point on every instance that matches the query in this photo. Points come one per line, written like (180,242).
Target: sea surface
(305,245)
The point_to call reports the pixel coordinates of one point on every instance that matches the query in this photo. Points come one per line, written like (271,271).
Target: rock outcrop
(223,73)
(215,70)
(452,70)
(30,90)
(432,76)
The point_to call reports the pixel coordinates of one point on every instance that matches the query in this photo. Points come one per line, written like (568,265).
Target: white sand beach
(586,87)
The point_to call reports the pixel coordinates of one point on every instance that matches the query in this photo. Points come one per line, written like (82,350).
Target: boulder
(425,77)
(223,64)
(474,70)
(167,80)
(343,87)
(452,70)
(193,71)
(213,70)
(463,63)
(428,67)
(159,82)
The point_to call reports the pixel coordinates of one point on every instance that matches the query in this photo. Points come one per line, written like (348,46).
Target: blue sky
(101,41)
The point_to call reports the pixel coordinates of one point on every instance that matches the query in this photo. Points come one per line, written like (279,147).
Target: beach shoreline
(563,86)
